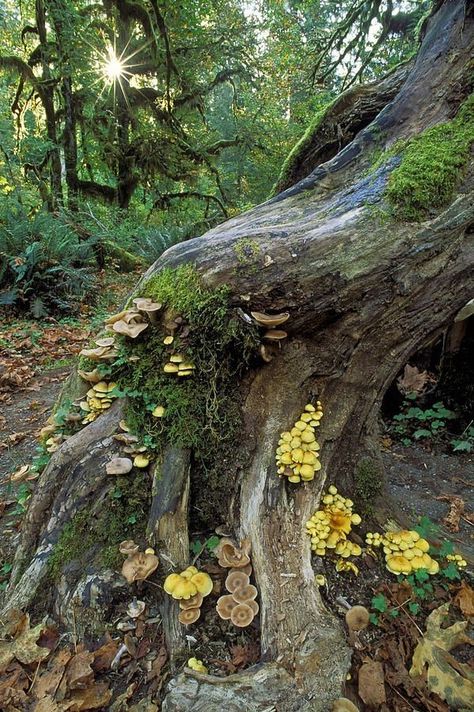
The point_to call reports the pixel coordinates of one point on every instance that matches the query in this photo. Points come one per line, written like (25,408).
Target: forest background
(128,126)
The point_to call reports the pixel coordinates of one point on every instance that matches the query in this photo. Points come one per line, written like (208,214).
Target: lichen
(246,251)
(432,166)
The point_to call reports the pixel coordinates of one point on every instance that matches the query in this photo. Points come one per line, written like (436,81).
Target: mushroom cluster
(239,605)
(138,565)
(297,451)
(131,322)
(190,587)
(405,551)
(98,398)
(330,525)
(178,366)
(458,560)
(269,322)
(105,351)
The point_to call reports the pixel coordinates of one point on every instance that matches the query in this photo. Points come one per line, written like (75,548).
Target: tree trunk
(364,294)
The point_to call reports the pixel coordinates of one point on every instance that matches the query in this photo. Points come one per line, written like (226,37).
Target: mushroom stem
(119,654)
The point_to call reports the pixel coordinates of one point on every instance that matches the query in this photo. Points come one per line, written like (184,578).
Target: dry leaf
(103,656)
(465,599)
(372,684)
(79,671)
(48,682)
(23,646)
(413,380)
(447,677)
(92,698)
(456,510)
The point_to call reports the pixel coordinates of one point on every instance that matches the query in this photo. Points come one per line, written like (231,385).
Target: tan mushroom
(237,579)
(101,353)
(245,594)
(107,341)
(139,566)
(225,606)
(90,376)
(117,317)
(269,320)
(128,547)
(193,602)
(275,335)
(242,615)
(189,615)
(149,307)
(357,618)
(135,608)
(132,329)
(119,466)
(253,605)
(231,556)
(243,569)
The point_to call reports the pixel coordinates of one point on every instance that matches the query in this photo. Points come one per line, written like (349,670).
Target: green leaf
(196,547)
(450,572)
(447,547)
(212,543)
(374,619)
(394,613)
(379,602)
(422,433)
(6,568)
(414,608)
(421,575)
(426,528)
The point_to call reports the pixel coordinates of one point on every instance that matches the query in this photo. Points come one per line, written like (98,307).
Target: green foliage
(414,423)
(43,264)
(368,484)
(197,547)
(465,442)
(432,166)
(94,535)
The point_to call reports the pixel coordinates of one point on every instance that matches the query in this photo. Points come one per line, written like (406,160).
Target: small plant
(197,547)
(413,423)
(465,442)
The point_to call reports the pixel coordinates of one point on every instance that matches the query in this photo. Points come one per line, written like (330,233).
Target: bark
(363,295)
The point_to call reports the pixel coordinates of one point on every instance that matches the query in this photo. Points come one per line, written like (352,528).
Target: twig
(400,695)
(35,676)
(156,585)
(415,624)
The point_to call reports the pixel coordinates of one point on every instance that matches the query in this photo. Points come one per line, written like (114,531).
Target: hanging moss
(432,166)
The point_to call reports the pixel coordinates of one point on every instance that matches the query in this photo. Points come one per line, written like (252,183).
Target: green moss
(291,162)
(432,166)
(93,537)
(368,485)
(200,408)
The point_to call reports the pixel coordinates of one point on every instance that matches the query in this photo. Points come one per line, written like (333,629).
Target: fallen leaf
(103,656)
(414,380)
(464,599)
(456,510)
(23,647)
(79,671)
(447,677)
(48,682)
(372,684)
(93,697)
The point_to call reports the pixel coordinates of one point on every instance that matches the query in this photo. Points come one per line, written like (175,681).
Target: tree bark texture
(363,296)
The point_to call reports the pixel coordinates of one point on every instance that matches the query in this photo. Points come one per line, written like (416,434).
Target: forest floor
(424,481)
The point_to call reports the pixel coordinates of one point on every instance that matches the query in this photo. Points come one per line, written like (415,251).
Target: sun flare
(113,68)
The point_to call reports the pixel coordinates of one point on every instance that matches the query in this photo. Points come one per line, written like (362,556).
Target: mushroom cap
(357,618)
(119,466)
(275,335)
(235,580)
(139,566)
(342,704)
(170,368)
(247,569)
(198,665)
(225,605)
(158,412)
(128,547)
(270,320)
(184,589)
(242,615)
(203,583)
(189,615)
(190,571)
(135,608)
(141,461)
(147,305)
(193,602)
(118,316)
(231,556)
(107,341)
(253,605)
(170,582)
(168,340)
(245,594)
(90,376)
(131,330)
